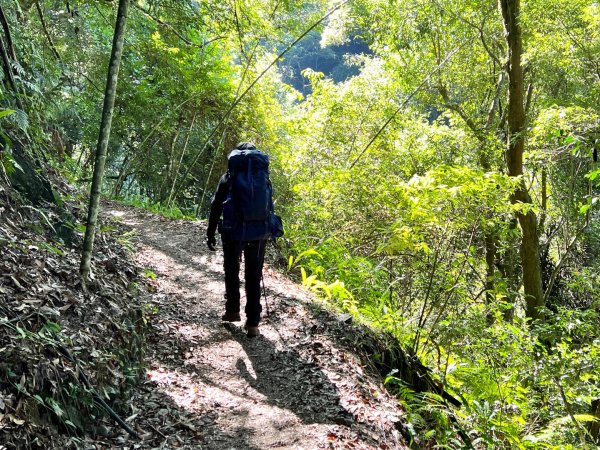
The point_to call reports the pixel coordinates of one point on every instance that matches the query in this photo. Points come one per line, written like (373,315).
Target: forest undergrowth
(66,351)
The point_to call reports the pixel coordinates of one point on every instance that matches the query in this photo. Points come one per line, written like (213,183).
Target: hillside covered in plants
(435,164)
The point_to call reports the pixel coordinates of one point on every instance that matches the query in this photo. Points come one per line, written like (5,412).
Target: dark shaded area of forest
(331,60)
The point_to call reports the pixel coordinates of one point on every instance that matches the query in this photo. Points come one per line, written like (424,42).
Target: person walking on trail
(244,198)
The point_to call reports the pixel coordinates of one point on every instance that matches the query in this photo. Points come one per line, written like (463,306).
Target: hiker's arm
(216,207)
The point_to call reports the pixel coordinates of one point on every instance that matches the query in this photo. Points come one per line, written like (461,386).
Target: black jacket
(216,206)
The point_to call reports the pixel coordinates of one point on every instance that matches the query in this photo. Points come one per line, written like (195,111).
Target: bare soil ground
(209,386)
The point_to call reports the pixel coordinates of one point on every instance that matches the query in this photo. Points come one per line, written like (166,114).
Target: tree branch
(480,29)
(256,80)
(463,115)
(45,29)
(495,105)
(6,65)
(486,47)
(566,253)
(403,104)
(173,30)
(9,43)
(569,409)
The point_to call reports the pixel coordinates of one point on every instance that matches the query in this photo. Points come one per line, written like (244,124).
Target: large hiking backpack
(248,208)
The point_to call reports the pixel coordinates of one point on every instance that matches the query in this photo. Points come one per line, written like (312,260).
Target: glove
(211,242)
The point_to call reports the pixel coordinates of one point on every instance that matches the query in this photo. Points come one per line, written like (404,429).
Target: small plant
(168,211)
(149,274)
(125,239)
(51,248)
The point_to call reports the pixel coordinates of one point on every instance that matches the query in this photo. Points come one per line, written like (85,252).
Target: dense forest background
(435,164)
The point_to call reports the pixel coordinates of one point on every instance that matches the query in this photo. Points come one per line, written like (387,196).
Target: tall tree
(107,113)
(530,252)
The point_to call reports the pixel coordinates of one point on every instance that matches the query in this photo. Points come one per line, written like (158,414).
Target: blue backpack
(248,209)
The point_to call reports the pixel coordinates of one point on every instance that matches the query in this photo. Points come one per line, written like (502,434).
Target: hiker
(244,198)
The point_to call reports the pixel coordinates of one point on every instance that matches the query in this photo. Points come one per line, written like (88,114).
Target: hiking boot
(231,317)
(251,331)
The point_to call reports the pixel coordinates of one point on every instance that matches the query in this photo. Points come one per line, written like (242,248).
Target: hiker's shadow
(288,381)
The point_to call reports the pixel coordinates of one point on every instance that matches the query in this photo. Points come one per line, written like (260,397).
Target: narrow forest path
(209,386)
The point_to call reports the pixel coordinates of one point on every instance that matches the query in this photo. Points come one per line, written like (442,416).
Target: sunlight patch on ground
(123,217)
(188,392)
(116,213)
(180,387)
(161,262)
(191,333)
(210,261)
(239,403)
(215,287)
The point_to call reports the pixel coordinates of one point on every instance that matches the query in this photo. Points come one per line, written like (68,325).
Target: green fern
(21,120)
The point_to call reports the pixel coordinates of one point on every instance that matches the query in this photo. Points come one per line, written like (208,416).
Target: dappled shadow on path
(163,422)
(266,394)
(288,388)
(287,380)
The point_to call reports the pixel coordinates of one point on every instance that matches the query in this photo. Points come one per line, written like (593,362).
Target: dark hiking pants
(254,254)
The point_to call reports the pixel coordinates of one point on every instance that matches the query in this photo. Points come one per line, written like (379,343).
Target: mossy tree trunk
(107,113)
(530,252)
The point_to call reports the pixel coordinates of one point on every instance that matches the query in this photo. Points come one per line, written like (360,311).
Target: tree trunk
(165,185)
(508,265)
(490,270)
(171,197)
(6,52)
(120,181)
(107,112)
(594,427)
(530,254)
(46,33)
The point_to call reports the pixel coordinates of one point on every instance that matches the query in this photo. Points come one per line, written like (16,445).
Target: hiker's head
(245,146)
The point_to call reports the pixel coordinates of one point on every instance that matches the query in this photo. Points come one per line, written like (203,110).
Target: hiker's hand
(211,242)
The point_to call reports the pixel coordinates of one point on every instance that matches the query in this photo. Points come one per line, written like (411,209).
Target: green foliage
(149,274)
(52,248)
(8,163)
(427,415)
(170,212)
(392,183)
(6,112)
(402,221)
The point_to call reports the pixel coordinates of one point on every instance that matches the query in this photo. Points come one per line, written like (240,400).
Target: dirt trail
(211,387)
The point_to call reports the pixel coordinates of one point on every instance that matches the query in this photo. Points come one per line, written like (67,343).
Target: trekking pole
(262,279)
